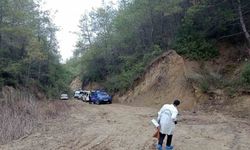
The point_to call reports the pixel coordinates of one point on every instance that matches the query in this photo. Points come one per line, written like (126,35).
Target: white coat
(166,118)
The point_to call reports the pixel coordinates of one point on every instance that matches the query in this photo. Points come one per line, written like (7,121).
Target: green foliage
(204,86)
(239,83)
(73,67)
(133,67)
(192,39)
(204,24)
(246,74)
(28,48)
(1,82)
(125,79)
(148,57)
(208,80)
(231,91)
(196,47)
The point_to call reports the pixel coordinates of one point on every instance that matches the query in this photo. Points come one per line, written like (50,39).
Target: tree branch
(231,35)
(243,25)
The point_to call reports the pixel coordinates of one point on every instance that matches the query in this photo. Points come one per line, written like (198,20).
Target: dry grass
(21,112)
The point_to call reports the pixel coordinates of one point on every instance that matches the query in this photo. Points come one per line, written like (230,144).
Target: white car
(77,94)
(64,97)
(85,96)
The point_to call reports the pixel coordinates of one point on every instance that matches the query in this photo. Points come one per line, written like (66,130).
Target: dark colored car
(98,97)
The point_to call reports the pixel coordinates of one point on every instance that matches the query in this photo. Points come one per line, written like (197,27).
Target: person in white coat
(167,118)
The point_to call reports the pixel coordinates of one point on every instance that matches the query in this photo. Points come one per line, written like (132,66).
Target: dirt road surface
(120,127)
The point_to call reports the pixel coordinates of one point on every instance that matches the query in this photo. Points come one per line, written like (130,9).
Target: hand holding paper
(156,124)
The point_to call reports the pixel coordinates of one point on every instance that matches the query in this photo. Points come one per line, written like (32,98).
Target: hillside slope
(164,81)
(171,77)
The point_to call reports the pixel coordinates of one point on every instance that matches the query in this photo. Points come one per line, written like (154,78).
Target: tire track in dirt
(236,136)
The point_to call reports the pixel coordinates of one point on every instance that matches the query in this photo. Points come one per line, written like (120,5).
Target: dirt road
(119,127)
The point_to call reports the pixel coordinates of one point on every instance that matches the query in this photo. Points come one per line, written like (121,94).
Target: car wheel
(97,102)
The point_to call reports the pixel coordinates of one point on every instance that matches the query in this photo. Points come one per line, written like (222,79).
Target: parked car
(64,97)
(85,96)
(98,97)
(78,93)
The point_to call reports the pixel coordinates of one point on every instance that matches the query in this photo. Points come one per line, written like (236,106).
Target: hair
(176,102)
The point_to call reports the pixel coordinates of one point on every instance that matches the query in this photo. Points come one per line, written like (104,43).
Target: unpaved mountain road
(120,127)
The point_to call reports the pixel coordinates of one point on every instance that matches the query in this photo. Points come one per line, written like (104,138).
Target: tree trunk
(89,36)
(28,74)
(0,40)
(243,25)
(1,21)
(151,40)
(39,71)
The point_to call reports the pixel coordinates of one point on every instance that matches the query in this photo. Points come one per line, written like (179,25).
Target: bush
(118,82)
(148,57)
(196,48)
(207,80)
(245,75)
(194,38)
(1,82)
(204,85)
(121,82)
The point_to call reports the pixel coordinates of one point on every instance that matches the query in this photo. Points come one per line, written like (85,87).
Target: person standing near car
(167,118)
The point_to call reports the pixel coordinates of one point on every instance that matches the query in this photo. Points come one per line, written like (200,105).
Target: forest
(29,49)
(116,43)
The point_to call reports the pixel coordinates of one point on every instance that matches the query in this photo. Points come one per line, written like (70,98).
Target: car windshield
(103,93)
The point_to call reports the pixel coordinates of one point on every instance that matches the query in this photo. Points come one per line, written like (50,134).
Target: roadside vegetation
(21,112)
(30,65)
(28,48)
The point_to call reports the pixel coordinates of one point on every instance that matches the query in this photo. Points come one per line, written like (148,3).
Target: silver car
(64,97)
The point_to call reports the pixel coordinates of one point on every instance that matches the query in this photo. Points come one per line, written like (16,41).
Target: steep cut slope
(93,86)
(171,77)
(76,84)
(164,81)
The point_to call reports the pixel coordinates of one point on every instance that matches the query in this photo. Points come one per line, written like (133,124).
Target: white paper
(156,124)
